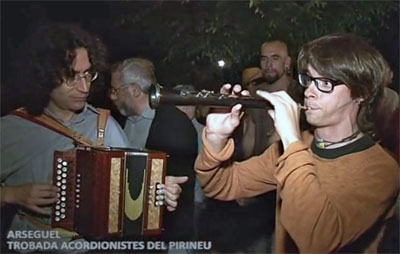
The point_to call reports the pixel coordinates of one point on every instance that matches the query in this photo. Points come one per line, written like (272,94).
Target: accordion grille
(156,177)
(115,180)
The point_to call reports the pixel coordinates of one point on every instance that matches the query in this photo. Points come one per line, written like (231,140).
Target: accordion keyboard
(68,184)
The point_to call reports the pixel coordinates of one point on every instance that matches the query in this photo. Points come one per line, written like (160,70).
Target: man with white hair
(165,129)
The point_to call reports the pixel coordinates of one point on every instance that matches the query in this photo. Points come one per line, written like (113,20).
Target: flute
(159,95)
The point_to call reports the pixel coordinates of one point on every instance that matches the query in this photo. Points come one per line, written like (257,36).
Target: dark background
(185,39)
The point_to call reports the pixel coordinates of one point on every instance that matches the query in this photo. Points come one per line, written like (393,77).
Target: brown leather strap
(50,123)
(101,125)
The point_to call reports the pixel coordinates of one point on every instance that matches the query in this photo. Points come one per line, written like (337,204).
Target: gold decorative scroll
(113,204)
(133,208)
(153,221)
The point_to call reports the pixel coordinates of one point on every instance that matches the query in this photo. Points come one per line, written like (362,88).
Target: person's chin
(78,106)
(270,78)
(312,117)
(123,112)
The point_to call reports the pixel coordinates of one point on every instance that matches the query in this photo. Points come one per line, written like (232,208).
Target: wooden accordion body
(109,192)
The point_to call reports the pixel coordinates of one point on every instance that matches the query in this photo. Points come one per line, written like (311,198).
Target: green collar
(360,145)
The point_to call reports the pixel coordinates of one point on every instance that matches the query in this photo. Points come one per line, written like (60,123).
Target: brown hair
(49,52)
(353,61)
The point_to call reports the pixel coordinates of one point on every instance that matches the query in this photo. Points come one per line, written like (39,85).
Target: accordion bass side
(109,192)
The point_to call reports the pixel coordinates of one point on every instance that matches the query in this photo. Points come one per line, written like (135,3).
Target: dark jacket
(173,132)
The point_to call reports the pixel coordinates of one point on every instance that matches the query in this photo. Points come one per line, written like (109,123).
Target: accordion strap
(48,122)
(101,125)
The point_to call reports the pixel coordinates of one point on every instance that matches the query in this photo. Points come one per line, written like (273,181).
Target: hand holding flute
(159,95)
(284,111)
(220,126)
(281,107)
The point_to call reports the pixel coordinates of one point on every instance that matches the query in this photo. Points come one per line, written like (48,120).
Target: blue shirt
(137,128)
(27,150)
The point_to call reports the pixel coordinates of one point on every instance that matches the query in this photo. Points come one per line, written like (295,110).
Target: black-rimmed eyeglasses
(325,85)
(88,76)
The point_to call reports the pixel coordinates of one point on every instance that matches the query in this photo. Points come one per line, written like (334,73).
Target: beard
(272,77)
(125,110)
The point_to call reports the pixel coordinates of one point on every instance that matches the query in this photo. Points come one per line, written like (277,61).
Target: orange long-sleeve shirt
(323,205)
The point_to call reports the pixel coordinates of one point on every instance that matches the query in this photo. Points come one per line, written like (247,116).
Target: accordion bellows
(109,192)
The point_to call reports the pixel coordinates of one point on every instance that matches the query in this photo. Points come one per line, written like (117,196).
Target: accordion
(109,192)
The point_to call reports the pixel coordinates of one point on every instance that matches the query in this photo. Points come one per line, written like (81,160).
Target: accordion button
(62,210)
(77,201)
(64,175)
(59,166)
(151,187)
(78,175)
(59,178)
(159,186)
(58,194)
(78,196)
(65,163)
(78,186)
(58,202)
(150,202)
(57,213)
(64,181)
(63,187)
(63,199)
(160,197)
(59,160)
(62,216)
(57,219)
(62,204)
(64,169)
(161,203)
(78,190)
(159,191)
(59,172)
(77,206)
(58,184)
(57,207)
(78,180)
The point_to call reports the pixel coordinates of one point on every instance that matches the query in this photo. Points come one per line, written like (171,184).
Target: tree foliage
(185,39)
(306,20)
(183,35)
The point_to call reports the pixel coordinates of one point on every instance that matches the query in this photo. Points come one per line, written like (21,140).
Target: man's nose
(310,91)
(112,96)
(268,63)
(83,85)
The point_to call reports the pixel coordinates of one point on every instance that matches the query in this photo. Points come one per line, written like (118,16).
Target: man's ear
(288,67)
(288,62)
(135,90)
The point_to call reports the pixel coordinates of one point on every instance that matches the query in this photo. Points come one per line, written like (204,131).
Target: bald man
(275,64)
(253,137)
